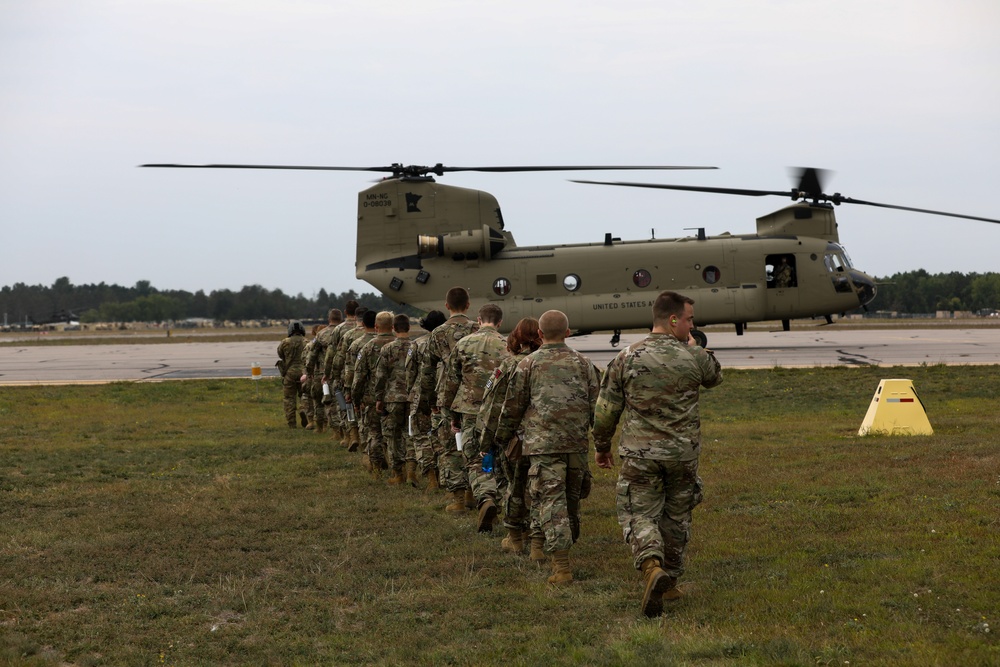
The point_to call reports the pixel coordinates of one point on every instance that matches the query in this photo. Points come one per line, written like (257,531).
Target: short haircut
(335,316)
(317,328)
(525,334)
(457,299)
(351,308)
(491,314)
(553,324)
(383,321)
(401,323)
(669,304)
(368,319)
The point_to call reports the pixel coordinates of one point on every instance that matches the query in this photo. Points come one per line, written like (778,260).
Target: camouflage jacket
(469,366)
(417,352)
(363,382)
(493,397)
(290,355)
(390,372)
(351,359)
(440,343)
(653,386)
(314,359)
(330,354)
(342,355)
(551,397)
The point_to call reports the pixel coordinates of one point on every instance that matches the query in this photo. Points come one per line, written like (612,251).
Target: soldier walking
(290,366)
(552,397)
(655,384)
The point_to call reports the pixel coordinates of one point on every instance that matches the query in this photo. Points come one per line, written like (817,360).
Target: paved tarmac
(827,346)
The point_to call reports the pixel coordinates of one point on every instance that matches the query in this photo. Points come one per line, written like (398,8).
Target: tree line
(63,301)
(913,292)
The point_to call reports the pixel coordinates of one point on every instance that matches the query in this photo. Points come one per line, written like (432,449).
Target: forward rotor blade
(265,166)
(438,169)
(836,199)
(693,188)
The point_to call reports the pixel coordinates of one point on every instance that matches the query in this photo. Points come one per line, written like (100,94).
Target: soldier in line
(421,439)
(311,405)
(552,397)
(340,364)
(655,384)
(392,402)
(314,363)
(521,342)
(469,367)
(440,343)
(359,431)
(290,366)
(337,419)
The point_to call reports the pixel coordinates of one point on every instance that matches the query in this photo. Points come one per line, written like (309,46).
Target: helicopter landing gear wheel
(699,337)
(617,338)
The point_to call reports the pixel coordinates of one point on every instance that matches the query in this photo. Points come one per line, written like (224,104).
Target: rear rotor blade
(695,188)
(837,199)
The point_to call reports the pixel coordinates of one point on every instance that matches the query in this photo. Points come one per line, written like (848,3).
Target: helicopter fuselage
(418,238)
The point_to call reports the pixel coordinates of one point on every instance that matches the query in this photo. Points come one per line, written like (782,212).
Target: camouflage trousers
(515,501)
(451,462)
(482,483)
(396,434)
(318,415)
(290,390)
(370,432)
(421,441)
(655,499)
(554,483)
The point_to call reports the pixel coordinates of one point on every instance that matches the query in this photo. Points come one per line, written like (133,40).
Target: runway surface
(79,364)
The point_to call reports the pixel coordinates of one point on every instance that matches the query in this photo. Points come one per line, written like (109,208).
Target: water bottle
(488,461)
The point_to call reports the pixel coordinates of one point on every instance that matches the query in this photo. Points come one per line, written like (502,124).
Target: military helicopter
(417,238)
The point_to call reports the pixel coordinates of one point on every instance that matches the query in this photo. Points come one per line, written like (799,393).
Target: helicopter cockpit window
(571,282)
(780,271)
(642,278)
(501,287)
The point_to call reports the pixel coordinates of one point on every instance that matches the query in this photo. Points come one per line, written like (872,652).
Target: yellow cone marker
(896,410)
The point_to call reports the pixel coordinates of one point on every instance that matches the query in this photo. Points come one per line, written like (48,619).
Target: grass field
(182,523)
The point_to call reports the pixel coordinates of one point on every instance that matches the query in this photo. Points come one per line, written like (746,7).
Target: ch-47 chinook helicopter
(417,238)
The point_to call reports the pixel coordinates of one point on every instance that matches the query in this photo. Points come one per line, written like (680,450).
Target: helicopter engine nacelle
(469,244)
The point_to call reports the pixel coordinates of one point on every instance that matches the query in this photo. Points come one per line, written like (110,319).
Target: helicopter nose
(864,285)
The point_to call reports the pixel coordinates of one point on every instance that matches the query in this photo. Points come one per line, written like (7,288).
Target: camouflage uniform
(391,390)
(422,432)
(469,367)
(356,375)
(653,386)
(552,397)
(290,366)
(307,406)
(512,484)
(337,419)
(440,343)
(314,368)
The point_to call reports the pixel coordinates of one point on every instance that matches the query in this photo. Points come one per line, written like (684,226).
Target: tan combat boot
(514,542)
(411,473)
(487,513)
(397,477)
(320,427)
(457,503)
(561,572)
(433,480)
(537,554)
(354,440)
(658,585)
(470,500)
(366,463)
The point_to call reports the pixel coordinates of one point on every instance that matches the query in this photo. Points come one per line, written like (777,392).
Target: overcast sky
(901,99)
